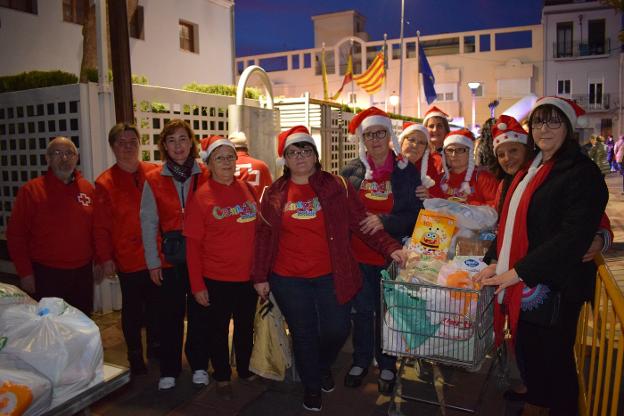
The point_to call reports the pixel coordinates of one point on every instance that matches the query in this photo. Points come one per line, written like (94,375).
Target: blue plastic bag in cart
(409,318)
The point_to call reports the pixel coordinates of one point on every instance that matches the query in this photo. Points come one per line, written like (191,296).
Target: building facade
(164,37)
(583,60)
(507,62)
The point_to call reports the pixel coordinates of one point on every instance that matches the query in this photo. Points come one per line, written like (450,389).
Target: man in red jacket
(253,171)
(49,234)
(119,244)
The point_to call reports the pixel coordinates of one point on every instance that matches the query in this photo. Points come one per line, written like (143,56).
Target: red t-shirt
(255,172)
(220,226)
(378,199)
(303,250)
(483,186)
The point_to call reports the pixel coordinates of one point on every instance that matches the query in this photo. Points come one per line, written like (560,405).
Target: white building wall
(581,70)
(45,42)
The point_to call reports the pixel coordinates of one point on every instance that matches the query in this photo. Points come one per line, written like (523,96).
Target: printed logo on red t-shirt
(377,191)
(84,199)
(303,210)
(245,212)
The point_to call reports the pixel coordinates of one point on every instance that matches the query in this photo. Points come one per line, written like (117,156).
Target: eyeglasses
(296,154)
(456,151)
(375,135)
(223,159)
(63,153)
(551,124)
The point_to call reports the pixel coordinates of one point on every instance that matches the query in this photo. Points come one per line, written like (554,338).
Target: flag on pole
(372,80)
(348,77)
(428,78)
(324,73)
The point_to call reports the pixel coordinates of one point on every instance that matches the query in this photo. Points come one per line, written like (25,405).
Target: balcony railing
(593,102)
(581,49)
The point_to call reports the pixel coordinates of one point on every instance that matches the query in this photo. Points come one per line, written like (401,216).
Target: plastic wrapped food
(432,234)
(23,391)
(472,217)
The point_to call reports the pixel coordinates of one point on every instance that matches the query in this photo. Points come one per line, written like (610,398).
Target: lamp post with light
(474,86)
(394,101)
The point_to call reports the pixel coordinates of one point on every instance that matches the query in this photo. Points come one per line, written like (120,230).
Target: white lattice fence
(28,120)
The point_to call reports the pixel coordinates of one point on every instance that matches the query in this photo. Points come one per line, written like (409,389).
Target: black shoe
(386,387)
(355,381)
(312,401)
(514,396)
(327,382)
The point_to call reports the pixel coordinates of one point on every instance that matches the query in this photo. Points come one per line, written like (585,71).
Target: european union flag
(428,79)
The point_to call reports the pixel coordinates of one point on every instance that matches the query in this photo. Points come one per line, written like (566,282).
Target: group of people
(202,241)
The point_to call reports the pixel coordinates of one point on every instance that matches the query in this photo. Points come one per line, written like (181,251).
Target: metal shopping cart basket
(434,324)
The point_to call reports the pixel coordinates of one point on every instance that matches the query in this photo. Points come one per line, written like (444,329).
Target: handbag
(174,247)
(540,305)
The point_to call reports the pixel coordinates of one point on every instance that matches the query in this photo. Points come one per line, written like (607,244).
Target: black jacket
(400,221)
(562,220)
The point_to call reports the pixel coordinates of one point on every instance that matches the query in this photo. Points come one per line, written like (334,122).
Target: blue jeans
(367,322)
(318,323)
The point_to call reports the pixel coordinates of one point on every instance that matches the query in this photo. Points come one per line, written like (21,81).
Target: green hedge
(92,76)
(230,90)
(35,79)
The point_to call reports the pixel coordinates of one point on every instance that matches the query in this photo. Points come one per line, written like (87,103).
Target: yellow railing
(599,349)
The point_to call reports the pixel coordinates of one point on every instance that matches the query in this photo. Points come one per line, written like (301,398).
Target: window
(484,43)
(188,37)
(469,44)
(446,92)
(564,39)
(514,88)
(479,91)
(595,93)
(596,37)
(135,24)
(28,6)
(563,87)
(74,11)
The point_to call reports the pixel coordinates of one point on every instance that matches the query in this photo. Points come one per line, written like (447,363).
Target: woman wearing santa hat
(462,181)
(549,218)
(437,122)
(386,183)
(303,256)
(416,147)
(220,230)
(166,193)
(513,151)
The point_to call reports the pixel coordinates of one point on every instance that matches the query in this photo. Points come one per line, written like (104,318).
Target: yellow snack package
(432,233)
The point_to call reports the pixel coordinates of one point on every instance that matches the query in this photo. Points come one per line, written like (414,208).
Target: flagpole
(386,74)
(351,100)
(401,61)
(418,73)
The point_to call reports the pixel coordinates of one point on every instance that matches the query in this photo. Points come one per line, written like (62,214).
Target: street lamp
(394,101)
(473,89)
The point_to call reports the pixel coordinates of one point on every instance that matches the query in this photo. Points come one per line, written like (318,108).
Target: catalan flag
(348,77)
(372,80)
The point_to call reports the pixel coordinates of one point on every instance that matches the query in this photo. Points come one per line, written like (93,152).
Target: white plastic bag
(472,217)
(57,340)
(23,391)
(12,295)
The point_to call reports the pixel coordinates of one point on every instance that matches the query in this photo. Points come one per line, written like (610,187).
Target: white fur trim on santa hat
(434,114)
(509,137)
(576,121)
(412,128)
(204,155)
(425,179)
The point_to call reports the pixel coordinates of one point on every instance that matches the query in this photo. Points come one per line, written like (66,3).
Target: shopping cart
(430,324)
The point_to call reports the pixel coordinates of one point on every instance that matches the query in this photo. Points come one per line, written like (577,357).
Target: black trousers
(548,356)
(139,308)
(173,294)
(75,286)
(228,300)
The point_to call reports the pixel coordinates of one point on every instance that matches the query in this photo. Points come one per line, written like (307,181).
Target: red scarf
(383,172)
(519,247)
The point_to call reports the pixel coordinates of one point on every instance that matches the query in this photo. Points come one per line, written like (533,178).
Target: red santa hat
(463,137)
(297,134)
(435,112)
(506,129)
(408,129)
(209,144)
(374,117)
(572,110)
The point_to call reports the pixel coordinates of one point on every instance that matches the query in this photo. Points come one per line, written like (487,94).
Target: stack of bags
(49,352)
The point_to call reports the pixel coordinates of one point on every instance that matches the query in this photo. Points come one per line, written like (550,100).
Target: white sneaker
(166,383)
(200,377)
